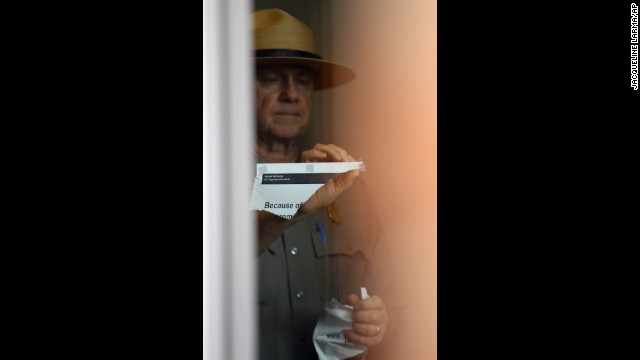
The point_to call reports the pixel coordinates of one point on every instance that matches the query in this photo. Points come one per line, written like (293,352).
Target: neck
(278,151)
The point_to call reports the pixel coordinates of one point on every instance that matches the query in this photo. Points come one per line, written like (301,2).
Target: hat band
(285,53)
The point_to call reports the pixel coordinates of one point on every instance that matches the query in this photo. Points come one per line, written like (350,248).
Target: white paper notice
(281,188)
(328,335)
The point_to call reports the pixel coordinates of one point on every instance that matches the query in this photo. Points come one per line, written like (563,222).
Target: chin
(289,134)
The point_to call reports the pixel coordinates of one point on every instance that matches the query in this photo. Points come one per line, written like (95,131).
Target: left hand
(327,153)
(370,320)
(330,191)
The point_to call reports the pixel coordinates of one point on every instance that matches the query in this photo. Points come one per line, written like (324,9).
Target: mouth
(288,113)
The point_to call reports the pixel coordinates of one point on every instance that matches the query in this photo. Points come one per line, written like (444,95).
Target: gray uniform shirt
(301,271)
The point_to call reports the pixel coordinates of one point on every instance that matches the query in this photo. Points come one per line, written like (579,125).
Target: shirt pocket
(340,267)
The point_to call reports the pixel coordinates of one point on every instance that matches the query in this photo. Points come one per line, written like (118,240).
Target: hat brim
(327,74)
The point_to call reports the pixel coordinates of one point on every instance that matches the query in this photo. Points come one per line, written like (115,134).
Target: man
(333,245)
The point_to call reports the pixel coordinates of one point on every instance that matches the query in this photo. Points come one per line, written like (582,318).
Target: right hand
(330,191)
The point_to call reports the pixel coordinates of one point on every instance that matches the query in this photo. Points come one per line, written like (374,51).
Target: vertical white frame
(229,251)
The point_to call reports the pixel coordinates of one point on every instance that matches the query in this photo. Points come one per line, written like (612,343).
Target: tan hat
(279,38)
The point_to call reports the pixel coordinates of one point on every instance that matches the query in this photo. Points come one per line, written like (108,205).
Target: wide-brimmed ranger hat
(281,39)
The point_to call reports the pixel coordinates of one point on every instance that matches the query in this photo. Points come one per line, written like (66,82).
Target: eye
(305,80)
(270,80)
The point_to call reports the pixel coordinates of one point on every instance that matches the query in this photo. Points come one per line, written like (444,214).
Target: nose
(290,92)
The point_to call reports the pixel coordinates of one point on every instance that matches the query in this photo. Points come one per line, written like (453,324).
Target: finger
(343,181)
(327,193)
(368,341)
(375,317)
(313,155)
(352,299)
(367,329)
(374,302)
(340,153)
(335,153)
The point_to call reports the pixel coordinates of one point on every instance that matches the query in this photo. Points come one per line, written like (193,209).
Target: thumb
(328,192)
(352,299)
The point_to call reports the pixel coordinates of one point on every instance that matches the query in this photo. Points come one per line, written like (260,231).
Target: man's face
(283,101)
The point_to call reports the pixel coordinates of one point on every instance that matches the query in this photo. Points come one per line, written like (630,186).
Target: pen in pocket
(320,228)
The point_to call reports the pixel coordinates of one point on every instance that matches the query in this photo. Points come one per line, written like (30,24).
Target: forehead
(284,69)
